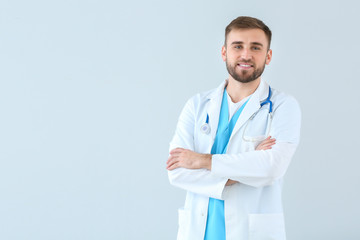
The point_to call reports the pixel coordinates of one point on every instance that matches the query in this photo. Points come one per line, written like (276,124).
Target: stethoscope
(205,128)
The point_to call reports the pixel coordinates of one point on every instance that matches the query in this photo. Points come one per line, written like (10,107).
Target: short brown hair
(245,22)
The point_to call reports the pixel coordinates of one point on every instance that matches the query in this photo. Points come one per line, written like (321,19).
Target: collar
(251,107)
(261,93)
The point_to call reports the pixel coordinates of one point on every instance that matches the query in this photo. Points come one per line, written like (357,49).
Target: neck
(238,91)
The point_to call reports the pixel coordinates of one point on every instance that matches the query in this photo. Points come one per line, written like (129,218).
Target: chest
(245,137)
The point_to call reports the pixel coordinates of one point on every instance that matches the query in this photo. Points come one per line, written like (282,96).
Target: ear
(268,57)
(223,53)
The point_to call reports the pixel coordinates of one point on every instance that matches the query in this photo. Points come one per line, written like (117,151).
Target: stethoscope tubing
(205,128)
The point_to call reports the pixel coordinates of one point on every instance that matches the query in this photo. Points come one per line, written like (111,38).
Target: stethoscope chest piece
(205,128)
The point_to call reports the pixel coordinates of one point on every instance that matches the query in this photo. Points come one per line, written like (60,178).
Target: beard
(245,77)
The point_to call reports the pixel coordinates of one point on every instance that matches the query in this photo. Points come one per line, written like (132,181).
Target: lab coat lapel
(215,99)
(252,106)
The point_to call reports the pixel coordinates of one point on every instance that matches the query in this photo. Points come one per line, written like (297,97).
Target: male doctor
(222,153)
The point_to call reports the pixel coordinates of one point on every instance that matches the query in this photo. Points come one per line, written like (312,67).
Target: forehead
(246,36)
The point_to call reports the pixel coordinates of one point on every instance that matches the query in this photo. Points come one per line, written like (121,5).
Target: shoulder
(280,98)
(200,99)
(286,121)
(285,104)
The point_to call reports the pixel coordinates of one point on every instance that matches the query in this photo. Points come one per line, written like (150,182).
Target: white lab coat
(253,207)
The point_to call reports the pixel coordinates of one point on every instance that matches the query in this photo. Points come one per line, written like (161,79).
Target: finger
(173,166)
(268,142)
(264,146)
(260,145)
(171,163)
(172,156)
(171,160)
(267,138)
(176,150)
(267,145)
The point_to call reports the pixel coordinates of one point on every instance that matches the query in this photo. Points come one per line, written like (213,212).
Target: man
(222,154)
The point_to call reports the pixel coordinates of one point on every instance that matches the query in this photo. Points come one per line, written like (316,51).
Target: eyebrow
(253,43)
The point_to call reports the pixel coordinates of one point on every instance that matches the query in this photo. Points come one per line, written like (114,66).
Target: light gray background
(90,92)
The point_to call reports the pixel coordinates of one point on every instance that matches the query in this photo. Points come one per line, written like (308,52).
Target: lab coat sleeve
(200,181)
(261,168)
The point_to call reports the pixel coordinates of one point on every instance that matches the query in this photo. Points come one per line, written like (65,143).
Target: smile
(244,66)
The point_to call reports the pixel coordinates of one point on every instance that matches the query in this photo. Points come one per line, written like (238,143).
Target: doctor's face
(246,53)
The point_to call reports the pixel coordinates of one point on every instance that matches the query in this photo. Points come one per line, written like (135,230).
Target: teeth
(244,65)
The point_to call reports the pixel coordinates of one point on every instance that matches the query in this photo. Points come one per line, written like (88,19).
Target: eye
(238,47)
(256,48)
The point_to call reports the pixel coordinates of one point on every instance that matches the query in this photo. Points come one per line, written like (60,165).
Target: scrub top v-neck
(215,224)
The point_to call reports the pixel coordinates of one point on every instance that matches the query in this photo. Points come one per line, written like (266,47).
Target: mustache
(245,61)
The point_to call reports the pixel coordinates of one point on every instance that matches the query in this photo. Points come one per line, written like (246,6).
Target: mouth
(244,66)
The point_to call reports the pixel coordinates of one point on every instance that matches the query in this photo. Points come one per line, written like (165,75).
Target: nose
(245,54)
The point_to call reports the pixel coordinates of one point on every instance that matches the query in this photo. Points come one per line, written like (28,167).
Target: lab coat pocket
(255,141)
(184,223)
(266,227)
(256,129)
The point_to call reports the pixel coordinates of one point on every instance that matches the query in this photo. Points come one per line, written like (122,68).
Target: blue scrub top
(215,225)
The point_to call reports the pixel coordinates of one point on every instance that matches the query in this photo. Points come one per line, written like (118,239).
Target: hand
(180,157)
(266,144)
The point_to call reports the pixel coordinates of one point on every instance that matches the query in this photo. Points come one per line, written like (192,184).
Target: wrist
(207,161)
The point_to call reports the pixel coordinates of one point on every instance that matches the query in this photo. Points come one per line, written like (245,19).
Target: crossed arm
(180,157)
(207,174)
